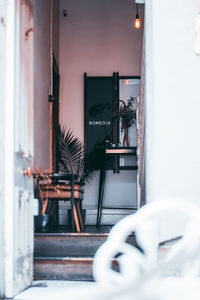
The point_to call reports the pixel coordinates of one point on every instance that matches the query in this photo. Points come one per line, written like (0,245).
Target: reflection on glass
(128,94)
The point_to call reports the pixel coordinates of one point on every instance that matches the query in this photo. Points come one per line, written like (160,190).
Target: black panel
(55,125)
(101,115)
(99,94)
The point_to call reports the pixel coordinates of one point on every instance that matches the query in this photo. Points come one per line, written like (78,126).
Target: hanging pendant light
(137,20)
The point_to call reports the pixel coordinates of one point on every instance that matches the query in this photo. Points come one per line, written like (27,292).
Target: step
(68,256)
(66,268)
(70,244)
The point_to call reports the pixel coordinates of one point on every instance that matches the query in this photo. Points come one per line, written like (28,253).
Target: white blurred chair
(142,273)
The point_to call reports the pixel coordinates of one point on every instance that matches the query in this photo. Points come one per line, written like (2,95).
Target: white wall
(42,11)
(3,31)
(97,37)
(172,101)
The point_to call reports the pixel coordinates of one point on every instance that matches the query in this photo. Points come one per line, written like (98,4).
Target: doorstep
(47,289)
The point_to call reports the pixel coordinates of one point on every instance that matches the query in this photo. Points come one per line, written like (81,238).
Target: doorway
(91,55)
(99,49)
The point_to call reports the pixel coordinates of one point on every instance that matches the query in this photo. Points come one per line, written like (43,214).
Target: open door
(18,146)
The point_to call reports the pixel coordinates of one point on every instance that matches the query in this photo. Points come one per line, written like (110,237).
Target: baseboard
(109,216)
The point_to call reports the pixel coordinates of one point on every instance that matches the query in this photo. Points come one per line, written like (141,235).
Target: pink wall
(42,75)
(96,37)
(55,28)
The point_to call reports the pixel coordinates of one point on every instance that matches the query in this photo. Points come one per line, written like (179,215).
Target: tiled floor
(168,288)
(61,290)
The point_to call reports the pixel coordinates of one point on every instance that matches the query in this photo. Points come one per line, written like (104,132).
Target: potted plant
(74,161)
(127,113)
(72,157)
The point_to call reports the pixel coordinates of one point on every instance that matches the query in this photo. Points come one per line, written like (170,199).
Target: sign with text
(99,92)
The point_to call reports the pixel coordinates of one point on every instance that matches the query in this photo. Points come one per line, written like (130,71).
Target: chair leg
(72,204)
(76,219)
(44,206)
(79,214)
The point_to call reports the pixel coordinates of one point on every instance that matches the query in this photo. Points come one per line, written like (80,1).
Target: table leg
(101,191)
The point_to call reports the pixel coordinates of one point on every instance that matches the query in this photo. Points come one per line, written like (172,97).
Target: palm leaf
(72,157)
(71,152)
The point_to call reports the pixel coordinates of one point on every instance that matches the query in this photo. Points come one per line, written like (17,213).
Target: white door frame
(6,138)
(12,280)
(3,31)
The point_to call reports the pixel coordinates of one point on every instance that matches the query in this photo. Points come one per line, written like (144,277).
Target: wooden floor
(66,229)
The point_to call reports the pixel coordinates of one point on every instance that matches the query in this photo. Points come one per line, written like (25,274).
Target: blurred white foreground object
(142,274)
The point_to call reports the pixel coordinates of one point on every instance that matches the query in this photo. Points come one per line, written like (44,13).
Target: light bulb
(137,22)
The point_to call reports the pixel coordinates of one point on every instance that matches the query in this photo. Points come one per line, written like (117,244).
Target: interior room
(99,39)
(89,54)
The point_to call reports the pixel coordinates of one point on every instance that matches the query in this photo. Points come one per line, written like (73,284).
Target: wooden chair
(60,189)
